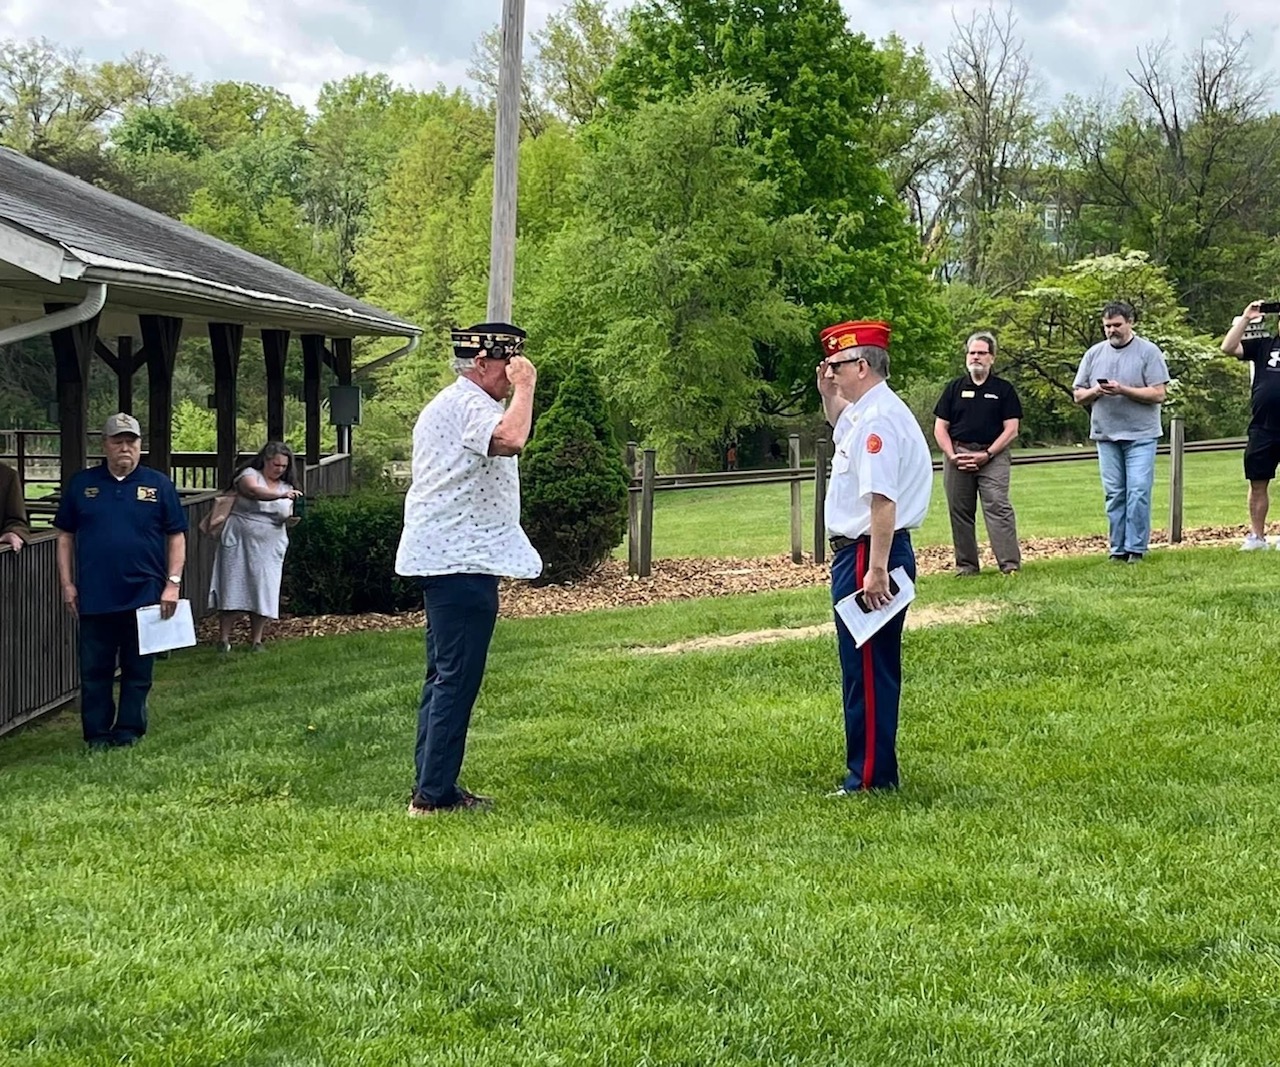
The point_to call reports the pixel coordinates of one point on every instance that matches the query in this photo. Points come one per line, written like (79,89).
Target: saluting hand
(520,371)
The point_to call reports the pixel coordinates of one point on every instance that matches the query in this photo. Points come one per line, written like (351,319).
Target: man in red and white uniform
(881,480)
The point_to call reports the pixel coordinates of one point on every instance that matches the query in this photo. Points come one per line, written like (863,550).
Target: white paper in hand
(864,624)
(159,635)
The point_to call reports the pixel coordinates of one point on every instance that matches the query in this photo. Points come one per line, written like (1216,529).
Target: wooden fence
(646,482)
(39,665)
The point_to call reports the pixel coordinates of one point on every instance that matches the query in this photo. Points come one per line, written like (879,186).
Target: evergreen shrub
(573,481)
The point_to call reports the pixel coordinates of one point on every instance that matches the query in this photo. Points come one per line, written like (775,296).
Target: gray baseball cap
(121,423)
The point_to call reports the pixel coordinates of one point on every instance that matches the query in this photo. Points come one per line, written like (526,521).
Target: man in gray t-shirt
(1123,379)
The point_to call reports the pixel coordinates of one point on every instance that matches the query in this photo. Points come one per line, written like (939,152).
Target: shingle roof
(143,249)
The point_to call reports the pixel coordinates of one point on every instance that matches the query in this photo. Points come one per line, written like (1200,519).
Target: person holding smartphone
(881,481)
(1262,452)
(1122,381)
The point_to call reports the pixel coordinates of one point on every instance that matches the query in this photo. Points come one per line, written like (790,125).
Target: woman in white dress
(250,556)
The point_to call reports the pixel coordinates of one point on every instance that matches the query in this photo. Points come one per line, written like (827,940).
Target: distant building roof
(57,231)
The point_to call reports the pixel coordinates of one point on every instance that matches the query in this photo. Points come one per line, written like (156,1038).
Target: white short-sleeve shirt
(880,448)
(462,512)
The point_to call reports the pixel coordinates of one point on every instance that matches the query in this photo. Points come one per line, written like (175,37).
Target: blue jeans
(461,612)
(1128,468)
(106,640)
(871,675)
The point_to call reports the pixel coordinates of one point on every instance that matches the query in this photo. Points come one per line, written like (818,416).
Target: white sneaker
(1253,542)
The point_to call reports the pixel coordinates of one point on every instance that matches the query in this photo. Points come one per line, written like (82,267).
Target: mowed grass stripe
(1080,869)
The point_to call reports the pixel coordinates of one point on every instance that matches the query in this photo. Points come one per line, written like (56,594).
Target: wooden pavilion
(108,279)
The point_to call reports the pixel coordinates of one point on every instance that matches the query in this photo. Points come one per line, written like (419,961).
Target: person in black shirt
(1262,452)
(976,420)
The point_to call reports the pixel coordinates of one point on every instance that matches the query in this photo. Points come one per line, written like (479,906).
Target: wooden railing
(39,668)
(645,482)
(34,455)
(332,477)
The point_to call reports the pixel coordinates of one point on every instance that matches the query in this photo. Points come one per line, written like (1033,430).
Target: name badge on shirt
(967,394)
(147,493)
(990,396)
(91,492)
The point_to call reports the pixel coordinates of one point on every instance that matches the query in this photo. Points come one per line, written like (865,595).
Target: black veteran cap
(497,340)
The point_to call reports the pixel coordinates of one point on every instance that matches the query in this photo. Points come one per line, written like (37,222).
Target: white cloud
(297,45)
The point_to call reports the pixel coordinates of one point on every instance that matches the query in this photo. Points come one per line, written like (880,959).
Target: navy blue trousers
(105,641)
(872,674)
(461,612)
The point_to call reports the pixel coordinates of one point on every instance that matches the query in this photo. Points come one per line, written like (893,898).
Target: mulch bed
(686,579)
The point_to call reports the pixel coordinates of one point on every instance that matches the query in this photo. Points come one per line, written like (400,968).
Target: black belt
(837,543)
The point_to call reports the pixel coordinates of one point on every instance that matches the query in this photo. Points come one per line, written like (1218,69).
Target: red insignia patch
(874,444)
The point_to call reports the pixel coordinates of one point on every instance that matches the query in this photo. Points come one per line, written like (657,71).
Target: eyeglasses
(834,363)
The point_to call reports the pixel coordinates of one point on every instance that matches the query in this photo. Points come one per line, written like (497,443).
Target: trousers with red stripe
(872,674)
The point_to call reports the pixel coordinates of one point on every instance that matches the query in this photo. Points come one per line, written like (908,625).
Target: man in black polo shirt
(1262,452)
(976,421)
(122,527)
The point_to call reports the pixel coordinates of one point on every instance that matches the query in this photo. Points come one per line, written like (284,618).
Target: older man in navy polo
(121,545)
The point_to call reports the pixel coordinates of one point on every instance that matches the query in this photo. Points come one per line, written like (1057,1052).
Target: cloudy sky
(297,45)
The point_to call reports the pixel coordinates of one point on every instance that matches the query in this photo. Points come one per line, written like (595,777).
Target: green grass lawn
(1052,500)
(1080,869)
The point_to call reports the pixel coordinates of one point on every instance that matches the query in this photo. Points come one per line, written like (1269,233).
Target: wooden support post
(650,472)
(124,373)
(821,457)
(160,337)
(341,355)
(502,241)
(797,525)
(72,350)
(226,338)
(633,514)
(1177,447)
(22,462)
(312,359)
(275,352)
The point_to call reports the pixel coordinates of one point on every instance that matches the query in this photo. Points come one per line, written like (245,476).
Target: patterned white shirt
(880,448)
(462,512)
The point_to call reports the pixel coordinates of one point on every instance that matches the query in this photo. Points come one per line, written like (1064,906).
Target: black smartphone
(860,599)
(1269,307)
(1104,381)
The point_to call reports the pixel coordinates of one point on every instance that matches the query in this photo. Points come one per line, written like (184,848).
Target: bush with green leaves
(342,555)
(574,481)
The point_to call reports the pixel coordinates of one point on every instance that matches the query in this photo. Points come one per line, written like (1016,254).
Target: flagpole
(506,158)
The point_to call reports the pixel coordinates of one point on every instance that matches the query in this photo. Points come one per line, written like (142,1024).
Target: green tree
(1181,167)
(675,269)
(361,125)
(573,482)
(822,84)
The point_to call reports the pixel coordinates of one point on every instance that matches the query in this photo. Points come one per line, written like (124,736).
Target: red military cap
(854,334)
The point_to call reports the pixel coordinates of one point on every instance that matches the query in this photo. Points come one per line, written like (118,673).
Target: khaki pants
(963,489)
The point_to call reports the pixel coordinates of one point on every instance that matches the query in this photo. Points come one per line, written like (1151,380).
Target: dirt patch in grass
(976,611)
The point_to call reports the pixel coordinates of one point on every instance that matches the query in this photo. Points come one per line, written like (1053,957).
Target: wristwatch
(175,579)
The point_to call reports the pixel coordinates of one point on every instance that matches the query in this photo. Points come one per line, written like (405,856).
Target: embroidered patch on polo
(91,492)
(147,493)
(874,444)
